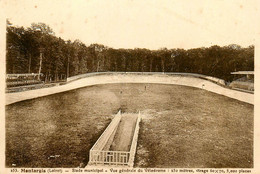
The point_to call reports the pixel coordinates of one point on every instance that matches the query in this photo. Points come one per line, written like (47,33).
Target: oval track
(108,78)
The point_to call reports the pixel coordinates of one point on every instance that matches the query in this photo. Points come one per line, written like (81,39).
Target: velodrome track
(108,78)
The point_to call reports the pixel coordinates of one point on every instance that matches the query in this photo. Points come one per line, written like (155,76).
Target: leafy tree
(62,59)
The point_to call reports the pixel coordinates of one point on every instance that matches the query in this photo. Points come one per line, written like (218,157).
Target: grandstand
(15,80)
(244,81)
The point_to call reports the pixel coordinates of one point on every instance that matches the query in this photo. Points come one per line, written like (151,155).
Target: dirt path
(125,132)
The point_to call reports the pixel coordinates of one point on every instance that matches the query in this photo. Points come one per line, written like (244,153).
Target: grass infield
(181,127)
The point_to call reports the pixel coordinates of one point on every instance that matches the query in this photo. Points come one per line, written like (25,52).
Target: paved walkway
(125,132)
(132,78)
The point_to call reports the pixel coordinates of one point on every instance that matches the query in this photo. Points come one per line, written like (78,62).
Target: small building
(244,80)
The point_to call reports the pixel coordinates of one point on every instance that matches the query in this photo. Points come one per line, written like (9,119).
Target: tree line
(61,59)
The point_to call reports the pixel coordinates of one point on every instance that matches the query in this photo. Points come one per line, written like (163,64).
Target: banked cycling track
(193,80)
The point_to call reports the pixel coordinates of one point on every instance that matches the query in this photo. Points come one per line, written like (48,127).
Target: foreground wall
(198,81)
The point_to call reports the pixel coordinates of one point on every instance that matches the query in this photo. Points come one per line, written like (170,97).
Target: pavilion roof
(243,72)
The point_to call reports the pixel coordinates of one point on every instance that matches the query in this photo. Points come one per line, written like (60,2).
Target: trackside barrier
(99,156)
(213,79)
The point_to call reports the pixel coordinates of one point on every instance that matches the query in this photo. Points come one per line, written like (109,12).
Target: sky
(151,24)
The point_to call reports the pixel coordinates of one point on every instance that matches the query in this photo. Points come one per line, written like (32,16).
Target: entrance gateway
(117,144)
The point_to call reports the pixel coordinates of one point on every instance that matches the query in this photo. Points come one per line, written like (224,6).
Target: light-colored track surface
(132,78)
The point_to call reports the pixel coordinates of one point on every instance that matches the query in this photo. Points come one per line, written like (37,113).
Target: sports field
(181,127)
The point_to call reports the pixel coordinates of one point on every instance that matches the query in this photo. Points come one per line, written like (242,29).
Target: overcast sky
(149,24)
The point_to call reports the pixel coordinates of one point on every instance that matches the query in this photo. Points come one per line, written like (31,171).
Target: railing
(98,155)
(109,157)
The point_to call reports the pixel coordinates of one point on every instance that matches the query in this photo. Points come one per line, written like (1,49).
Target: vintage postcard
(131,86)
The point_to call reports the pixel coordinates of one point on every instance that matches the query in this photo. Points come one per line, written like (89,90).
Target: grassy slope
(65,124)
(182,126)
(194,128)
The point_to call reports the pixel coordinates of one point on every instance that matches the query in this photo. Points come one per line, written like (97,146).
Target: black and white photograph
(129,86)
